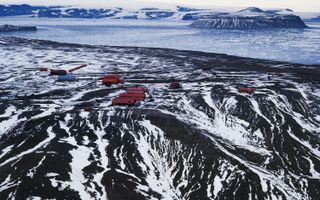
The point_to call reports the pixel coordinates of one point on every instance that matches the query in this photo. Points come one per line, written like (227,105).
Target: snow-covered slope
(78,12)
(154,11)
(250,18)
(203,141)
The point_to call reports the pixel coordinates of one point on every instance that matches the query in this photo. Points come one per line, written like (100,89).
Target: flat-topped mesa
(10,28)
(251,18)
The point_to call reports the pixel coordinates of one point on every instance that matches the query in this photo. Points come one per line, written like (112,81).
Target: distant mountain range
(74,12)
(251,18)
(316,19)
(153,13)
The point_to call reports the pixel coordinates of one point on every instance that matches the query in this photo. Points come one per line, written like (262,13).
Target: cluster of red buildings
(133,96)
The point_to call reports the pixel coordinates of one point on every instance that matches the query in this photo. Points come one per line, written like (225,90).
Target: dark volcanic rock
(11,28)
(205,140)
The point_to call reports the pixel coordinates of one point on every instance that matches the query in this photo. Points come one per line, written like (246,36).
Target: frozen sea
(300,46)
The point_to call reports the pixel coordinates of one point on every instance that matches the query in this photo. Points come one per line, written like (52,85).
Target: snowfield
(202,141)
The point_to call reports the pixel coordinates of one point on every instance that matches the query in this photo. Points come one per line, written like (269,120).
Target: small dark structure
(58,72)
(66,78)
(112,79)
(247,90)
(279,74)
(175,85)
(43,69)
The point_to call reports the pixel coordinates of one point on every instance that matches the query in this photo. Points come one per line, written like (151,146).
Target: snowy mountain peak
(281,11)
(187,9)
(252,10)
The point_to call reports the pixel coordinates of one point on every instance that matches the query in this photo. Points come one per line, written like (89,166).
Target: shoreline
(22,39)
